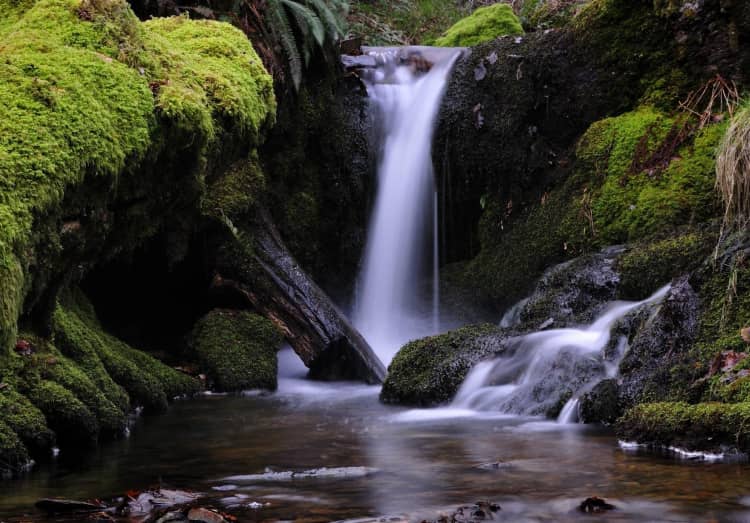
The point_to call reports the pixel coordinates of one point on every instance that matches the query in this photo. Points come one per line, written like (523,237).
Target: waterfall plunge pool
(538,471)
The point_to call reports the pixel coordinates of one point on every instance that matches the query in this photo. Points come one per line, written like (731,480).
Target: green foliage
(89,91)
(733,170)
(545,14)
(237,349)
(483,25)
(704,426)
(404,22)
(430,370)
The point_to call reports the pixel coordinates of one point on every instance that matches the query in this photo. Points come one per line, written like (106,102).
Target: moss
(72,421)
(483,25)
(650,264)
(13,455)
(26,421)
(430,370)
(235,191)
(237,349)
(89,91)
(704,426)
(545,14)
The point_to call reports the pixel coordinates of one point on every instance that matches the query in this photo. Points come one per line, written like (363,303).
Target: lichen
(483,25)
(237,349)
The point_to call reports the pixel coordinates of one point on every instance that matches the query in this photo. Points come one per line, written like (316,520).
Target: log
(254,263)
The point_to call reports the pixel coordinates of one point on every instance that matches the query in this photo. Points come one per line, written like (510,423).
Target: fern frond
(283,32)
(307,21)
(334,27)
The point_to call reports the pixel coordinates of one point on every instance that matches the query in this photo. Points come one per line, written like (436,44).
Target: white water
(390,310)
(547,362)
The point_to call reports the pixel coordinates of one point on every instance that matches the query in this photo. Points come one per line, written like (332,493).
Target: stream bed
(239,451)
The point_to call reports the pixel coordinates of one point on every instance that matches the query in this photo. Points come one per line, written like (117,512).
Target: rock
(595,505)
(429,371)
(601,404)
(661,338)
(237,350)
(204,515)
(356,62)
(65,506)
(479,511)
(351,46)
(571,293)
(171,517)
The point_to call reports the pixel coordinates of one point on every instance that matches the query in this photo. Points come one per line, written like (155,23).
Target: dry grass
(733,171)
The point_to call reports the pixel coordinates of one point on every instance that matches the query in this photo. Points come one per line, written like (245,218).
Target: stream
(394,461)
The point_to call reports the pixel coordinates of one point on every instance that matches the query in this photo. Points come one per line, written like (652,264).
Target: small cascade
(405,86)
(541,369)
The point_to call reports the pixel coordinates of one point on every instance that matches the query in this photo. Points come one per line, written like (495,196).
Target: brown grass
(733,171)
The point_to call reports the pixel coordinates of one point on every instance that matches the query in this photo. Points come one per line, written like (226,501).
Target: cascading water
(405,89)
(541,368)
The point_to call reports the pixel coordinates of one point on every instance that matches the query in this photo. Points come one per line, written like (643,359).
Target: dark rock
(595,505)
(356,62)
(65,506)
(601,404)
(571,293)
(660,341)
(351,46)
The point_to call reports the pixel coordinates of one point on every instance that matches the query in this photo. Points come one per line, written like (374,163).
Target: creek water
(237,449)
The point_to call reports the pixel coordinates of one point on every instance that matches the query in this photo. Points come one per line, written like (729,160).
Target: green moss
(704,426)
(26,421)
(651,264)
(483,25)
(13,455)
(72,421)
(237,349)
(430,370)
(234,192)
(76,80)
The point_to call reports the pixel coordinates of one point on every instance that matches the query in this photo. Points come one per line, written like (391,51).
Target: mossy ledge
(714,427)
(109,130)
(483,25)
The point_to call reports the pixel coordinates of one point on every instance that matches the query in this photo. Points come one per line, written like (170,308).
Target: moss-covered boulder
(72,421)
(429,371)
(717,427)
(237,350)
(13,455)
(484,24)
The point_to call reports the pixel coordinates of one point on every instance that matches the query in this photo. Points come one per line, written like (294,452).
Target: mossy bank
(110,128)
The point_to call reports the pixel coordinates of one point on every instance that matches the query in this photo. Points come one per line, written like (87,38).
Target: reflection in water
(538,470)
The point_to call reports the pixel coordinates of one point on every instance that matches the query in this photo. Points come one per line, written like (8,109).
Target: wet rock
(601,404)
(572,293)
(494,465)
(356,62)
(595,505)
(661,340)
(479,511)
(66,506)
(204,515)
(172,517)
(140,504)
(320,473)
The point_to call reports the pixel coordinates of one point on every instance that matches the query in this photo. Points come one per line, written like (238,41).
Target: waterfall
(405,88)
(543,368)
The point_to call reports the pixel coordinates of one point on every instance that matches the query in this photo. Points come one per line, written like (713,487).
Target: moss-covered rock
(704,426)
(237,349)
(26,421)
(92,95)
(483,25)
(13,455)
(73,422)
(648,265)
(430,370)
